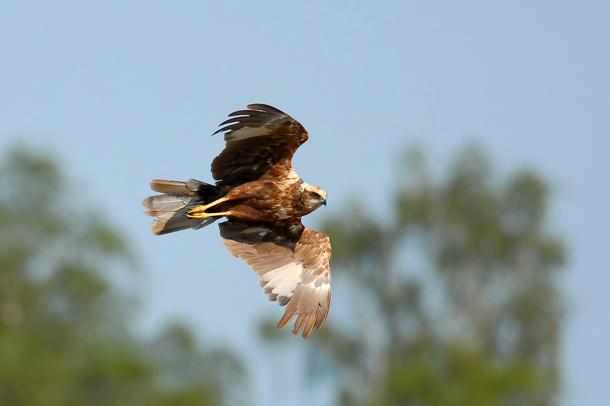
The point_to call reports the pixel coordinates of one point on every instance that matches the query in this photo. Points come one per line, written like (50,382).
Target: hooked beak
(324,202)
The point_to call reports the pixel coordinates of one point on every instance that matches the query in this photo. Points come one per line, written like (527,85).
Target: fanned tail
(169,208)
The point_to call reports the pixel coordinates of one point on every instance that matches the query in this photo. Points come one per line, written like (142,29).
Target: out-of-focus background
(464,147)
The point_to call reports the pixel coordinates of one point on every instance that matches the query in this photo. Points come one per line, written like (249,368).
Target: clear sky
(124,91)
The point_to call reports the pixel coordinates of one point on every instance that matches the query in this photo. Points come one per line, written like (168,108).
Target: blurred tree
(64,334)
(453,300)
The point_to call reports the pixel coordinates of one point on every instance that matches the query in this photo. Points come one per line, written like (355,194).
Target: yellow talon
(198,213)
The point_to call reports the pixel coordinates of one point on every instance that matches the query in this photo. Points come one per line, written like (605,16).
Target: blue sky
(124,91)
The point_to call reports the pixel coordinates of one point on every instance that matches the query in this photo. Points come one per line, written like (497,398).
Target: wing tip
(304,325)
(264,107)
(285,319)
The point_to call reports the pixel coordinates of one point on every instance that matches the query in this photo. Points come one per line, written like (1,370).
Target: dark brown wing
(256,139)
(293,266)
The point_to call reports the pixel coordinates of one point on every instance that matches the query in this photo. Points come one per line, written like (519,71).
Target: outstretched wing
(256,139)
(293,266)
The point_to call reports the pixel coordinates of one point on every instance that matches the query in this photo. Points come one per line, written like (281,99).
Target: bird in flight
(262,200)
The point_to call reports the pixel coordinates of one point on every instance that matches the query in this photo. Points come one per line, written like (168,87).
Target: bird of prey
(262,200)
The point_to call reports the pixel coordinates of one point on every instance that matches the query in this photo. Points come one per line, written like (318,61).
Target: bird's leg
(203,215)
(199,210)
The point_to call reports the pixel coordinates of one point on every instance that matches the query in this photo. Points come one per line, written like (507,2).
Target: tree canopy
(65,327)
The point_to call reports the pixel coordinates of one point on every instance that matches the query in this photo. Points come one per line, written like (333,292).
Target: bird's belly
(261,201)
(258,211)
(246,212)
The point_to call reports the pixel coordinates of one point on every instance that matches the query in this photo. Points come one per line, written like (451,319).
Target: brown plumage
(257,139)
(263,200)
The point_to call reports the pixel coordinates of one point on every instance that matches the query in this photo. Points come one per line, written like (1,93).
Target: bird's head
(313,196)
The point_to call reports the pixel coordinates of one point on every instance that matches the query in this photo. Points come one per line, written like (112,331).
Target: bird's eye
(316,195)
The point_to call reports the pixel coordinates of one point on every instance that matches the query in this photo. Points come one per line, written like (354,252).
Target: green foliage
(425,373)
(64,327)
(454,299)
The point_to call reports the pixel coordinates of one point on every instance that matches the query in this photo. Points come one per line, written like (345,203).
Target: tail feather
(166,203)
(169,222)
(169,209)
(169,186)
